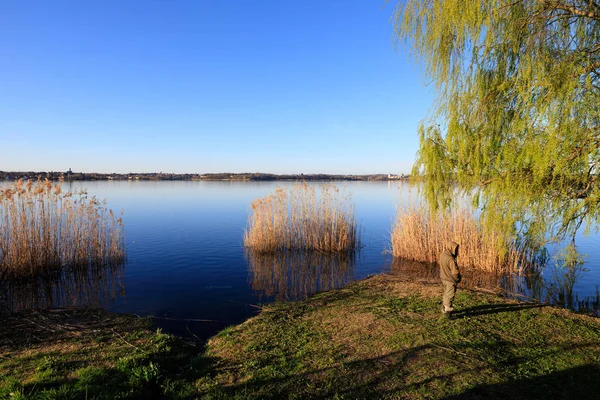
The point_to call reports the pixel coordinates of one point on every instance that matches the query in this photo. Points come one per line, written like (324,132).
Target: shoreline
(381,337)
(225,176)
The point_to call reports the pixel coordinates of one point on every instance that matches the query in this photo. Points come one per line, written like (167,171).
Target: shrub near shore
(303,219)
(43,229)
(419,235)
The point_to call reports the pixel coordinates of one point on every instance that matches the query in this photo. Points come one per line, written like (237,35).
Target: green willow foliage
(517,121)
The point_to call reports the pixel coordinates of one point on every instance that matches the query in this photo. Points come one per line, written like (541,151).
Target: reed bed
(302,219)
(419,235)
(43,229)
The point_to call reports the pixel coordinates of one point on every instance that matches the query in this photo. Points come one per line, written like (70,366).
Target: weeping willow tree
(516,124)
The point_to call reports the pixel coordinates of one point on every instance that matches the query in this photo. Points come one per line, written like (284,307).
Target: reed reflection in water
(94,286)
(555,289)
(295,275)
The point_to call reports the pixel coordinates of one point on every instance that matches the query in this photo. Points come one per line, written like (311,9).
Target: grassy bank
(379,338)
(91,354)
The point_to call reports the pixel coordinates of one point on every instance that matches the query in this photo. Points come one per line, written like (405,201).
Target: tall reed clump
(419,235)
(302,219)
(43,229)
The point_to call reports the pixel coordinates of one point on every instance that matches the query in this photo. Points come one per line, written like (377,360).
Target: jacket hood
(452,247)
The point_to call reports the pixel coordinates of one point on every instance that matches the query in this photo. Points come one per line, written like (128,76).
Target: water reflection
(559,290)
(95,286)
(556,288)
(298,274)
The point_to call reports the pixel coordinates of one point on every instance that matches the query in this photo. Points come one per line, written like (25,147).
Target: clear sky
(278,86)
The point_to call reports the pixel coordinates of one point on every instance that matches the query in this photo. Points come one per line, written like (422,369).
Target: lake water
(186,263)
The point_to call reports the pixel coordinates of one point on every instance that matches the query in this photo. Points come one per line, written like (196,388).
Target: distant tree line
(153,176)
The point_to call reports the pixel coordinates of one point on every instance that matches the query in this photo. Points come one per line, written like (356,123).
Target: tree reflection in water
(560,289)
(295,275)
(547,284)
(93,285)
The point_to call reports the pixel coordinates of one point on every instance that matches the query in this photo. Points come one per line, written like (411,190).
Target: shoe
(444,309)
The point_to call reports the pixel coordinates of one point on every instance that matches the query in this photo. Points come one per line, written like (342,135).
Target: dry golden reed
(302,219)
(43,229)
(418,235)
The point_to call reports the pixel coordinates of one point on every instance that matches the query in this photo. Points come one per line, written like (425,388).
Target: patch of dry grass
(303,218)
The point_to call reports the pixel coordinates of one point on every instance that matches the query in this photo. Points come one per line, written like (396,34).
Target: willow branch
(571,9)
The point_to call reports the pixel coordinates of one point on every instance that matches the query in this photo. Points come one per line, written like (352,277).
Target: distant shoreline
(153,176)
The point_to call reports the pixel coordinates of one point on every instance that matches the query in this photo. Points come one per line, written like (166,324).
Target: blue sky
(298,86)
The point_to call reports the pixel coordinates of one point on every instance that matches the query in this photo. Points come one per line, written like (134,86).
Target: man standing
(450,276)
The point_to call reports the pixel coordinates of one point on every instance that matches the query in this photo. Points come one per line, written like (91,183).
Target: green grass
(383,337)
(90,355)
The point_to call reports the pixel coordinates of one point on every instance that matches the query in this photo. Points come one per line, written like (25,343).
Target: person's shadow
(493,309)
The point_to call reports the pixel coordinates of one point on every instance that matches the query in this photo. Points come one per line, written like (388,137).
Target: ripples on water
(187,266)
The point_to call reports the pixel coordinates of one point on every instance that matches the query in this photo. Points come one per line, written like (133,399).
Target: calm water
(186,260)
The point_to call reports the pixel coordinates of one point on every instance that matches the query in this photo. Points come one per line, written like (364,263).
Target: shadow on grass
(168,373)
(417,373)
(574,383)
(493,309)
(75,354)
